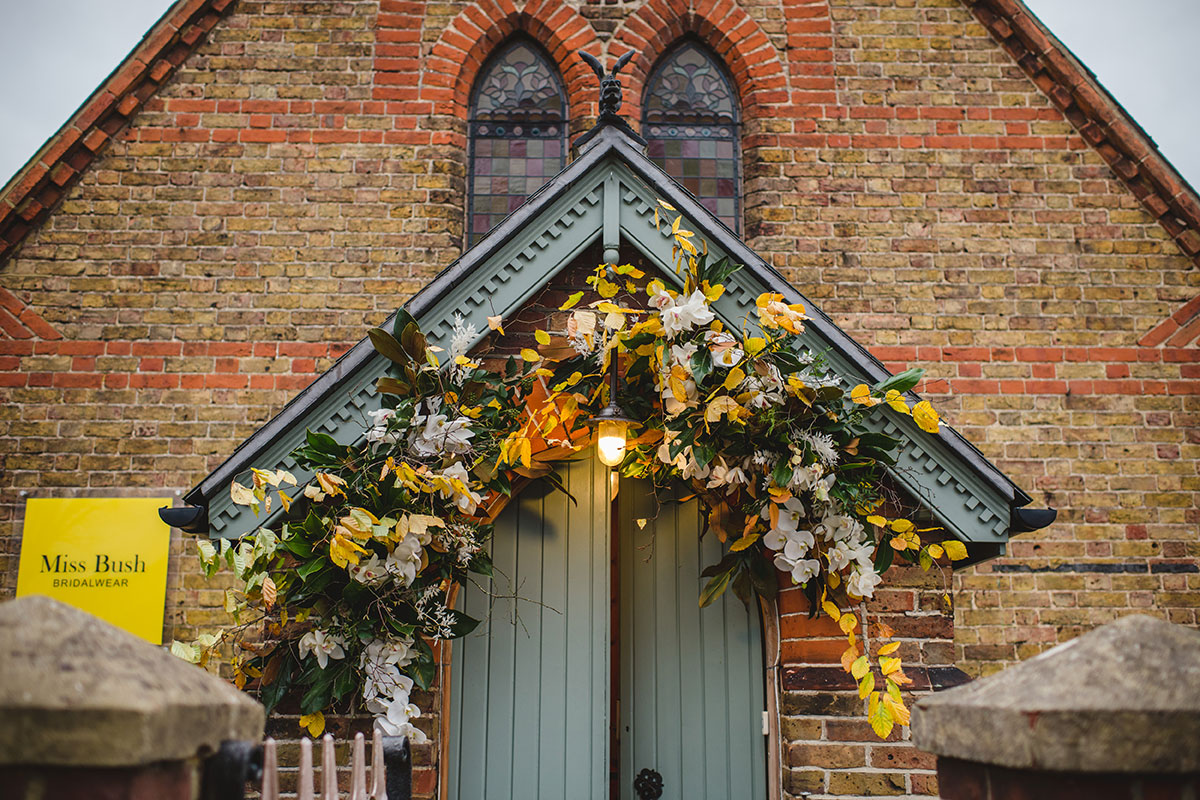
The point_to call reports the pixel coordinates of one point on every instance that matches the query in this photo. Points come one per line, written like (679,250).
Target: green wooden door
(529,694)
(691,678)
(530,688)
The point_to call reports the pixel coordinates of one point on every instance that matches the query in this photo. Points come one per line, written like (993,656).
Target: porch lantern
(612,424)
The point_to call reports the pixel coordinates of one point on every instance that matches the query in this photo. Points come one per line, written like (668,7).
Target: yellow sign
(106,556)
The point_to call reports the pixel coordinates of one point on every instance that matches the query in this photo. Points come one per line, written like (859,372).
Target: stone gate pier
(90,711)
(1112,715)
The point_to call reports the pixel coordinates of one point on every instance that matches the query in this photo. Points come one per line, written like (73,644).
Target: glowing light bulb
(610,442)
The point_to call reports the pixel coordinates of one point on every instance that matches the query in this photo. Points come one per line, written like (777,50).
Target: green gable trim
(609,193)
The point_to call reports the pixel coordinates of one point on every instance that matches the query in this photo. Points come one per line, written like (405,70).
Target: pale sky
(54,53)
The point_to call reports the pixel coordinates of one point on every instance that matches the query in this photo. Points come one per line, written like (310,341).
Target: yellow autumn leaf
(859,668)
(754,345)
(898,710)
(530,355)
(734,379)
(955,549)
(832,610)
(541,336)
(899,543)
(935,551)
(926,417)
(722,405)
(606,288)
(861,395)
(285,500)
(496,322)
(343,551)
(880,717)
(848,623)
(875,519)
(330,484)
(242,495)
(744,542)
(866,685)
(894,399)
(849,657)
(269,592)
(889,648)
(571,301)
(901,525)
(314,723)
(889,664)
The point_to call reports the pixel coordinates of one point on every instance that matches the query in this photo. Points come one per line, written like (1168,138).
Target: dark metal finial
(610,86)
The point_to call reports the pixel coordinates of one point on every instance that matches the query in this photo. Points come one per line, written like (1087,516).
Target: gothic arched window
(518,133)
(690,123)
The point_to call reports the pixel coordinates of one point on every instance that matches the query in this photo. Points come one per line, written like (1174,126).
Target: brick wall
(302,173)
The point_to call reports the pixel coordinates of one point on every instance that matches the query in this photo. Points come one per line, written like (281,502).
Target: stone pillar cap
(1123,698)
(75,690)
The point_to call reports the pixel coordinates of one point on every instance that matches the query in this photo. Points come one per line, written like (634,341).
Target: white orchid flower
(323,645)
(371,571)
(724,348)
(862,581)
(679,317)
(378,432)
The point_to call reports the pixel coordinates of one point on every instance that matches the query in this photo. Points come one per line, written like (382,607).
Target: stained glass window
(690,123)
(518,134)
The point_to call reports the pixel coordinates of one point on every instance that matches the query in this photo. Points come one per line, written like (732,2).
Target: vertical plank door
(529,687)
(691,683)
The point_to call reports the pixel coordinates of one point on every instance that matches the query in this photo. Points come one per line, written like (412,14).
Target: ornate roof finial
(610,86)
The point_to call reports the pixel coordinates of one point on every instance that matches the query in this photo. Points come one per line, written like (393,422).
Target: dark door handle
(648,785)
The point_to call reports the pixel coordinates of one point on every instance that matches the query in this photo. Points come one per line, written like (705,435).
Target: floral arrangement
(357,587)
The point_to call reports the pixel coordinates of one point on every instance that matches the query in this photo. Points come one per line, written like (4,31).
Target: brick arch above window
(758,74)
(448,74)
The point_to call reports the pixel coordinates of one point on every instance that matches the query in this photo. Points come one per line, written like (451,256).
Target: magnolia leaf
(314,723)
(715,587)
(955,549)
(387,346)
(860,667)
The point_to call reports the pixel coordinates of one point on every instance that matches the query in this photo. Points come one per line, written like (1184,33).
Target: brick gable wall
(302,173)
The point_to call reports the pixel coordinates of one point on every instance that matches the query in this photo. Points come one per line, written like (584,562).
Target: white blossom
(433,434)
(822,445)
(323,645)
(466,500)
(846,552)
(378,432)
(724,348)
(681,315)
(371,571)
(723,475)
(463,336)
(862,581)
(405,560)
